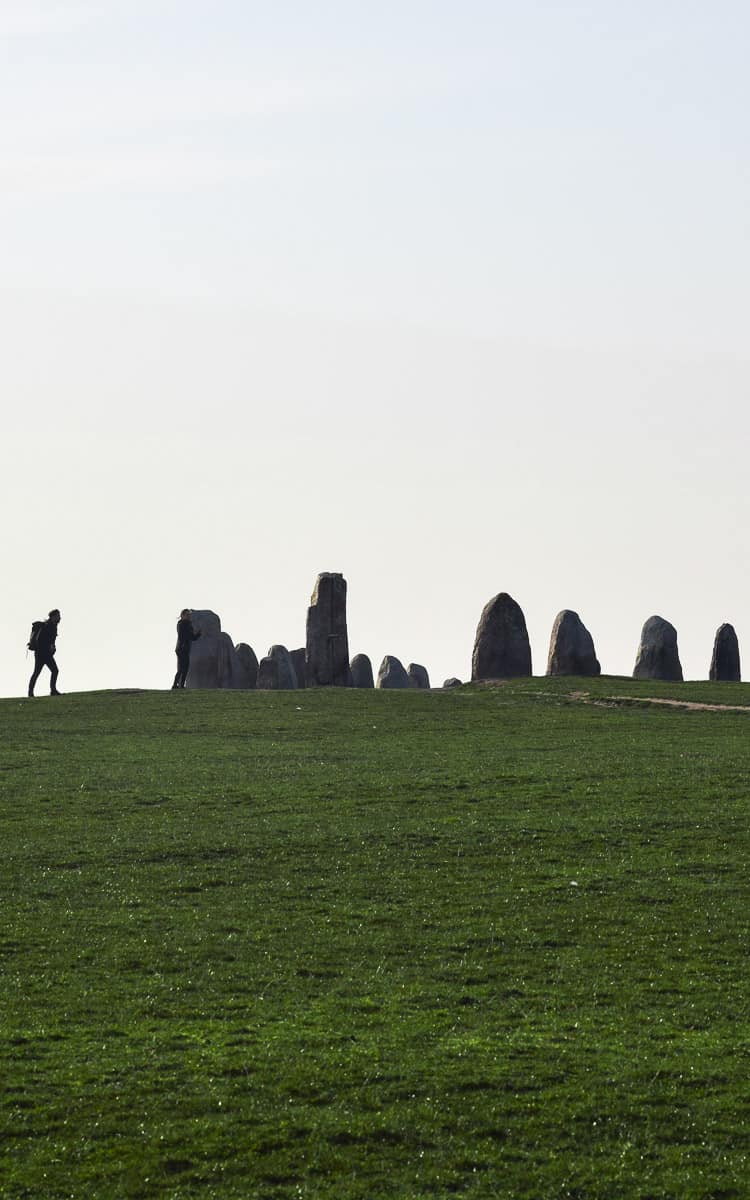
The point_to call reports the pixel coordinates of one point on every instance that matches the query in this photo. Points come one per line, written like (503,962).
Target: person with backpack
(43,641)
(186,635)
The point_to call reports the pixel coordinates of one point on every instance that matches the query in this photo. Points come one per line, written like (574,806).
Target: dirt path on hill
(586,698)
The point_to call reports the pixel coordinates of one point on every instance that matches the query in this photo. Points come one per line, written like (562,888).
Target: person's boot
(55,693)
(31,693)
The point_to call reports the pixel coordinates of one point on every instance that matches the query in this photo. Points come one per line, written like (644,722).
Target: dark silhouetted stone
(298,662)
(571,647)
(392,673)
(418,677)
(286,675)
(501,647)
(452,682)
(268,674)
(361,672)
(249,660)
(327,643)
(658,657)
(725,660)
(214,662)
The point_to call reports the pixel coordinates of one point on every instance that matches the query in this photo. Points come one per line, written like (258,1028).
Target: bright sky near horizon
(450,298)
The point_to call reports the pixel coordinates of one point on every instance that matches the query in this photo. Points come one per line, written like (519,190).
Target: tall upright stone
(392,673)
(327,642)
(214,662)
(658,656)
(571,647)
(249,660)
(361,672)
(418,676)
(725,660)
(501,646)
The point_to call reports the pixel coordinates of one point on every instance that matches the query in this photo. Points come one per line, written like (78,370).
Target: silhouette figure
(186,635)
(44,652)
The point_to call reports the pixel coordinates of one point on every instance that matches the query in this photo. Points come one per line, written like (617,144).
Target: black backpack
(33,642)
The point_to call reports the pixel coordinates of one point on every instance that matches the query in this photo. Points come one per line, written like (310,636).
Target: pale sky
(449,298)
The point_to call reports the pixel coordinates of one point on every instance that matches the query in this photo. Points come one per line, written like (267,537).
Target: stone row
(501,650)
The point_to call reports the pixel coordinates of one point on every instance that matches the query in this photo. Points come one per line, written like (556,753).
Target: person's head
(55,615)
(185,614)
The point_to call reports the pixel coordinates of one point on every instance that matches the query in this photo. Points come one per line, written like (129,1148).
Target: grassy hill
(489,942)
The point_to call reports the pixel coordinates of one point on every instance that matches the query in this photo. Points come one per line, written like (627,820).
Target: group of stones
(501,651)
(323,661)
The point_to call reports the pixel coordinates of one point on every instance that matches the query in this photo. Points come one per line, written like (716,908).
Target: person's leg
(53,675)
(184,668)
(38,664)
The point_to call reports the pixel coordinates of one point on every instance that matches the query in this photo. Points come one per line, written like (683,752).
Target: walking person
(43,644)
(186,635)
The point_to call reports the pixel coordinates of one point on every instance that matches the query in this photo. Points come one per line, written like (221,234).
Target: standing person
(44,652)
(186,635)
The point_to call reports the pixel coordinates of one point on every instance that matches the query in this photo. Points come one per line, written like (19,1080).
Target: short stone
(392,673)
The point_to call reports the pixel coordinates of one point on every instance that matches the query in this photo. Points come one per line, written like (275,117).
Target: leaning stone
(658,657)
(571,647)
(418,677)
(327,643)
(249,660)
(361,672)
(392,673)
(501,646)
(214,662)
(452,682)
(287,679)
(298,662)
(725,660)
(268,674)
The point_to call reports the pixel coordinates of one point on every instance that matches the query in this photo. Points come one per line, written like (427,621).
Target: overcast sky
(451,298)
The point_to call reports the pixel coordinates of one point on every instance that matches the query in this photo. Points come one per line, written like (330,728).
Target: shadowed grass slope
(490,942)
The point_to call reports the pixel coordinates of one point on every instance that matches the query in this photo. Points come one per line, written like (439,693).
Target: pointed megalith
(418,676)
(392,673)
(658,657)
(725,660)
(361,669)
(327,643)
(214,662)
(571,647)
(501,647)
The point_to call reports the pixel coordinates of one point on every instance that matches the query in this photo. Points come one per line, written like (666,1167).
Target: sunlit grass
(490,942)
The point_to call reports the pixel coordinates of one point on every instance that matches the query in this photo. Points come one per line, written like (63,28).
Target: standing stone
(658,657)
(268,674)
(418,677)
(571,647)
(725,660)
(327,643)
(214,662)
(392,673)
(287,678)
(361,672)
(453,682)
(501,646)
(249,660)
(298,662)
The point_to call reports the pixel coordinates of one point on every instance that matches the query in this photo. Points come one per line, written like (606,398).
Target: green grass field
(491,942)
